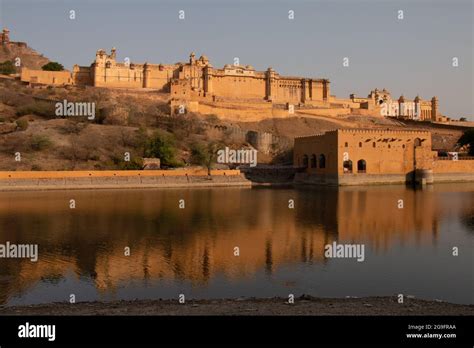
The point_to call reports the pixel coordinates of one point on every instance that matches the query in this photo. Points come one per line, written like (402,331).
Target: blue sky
(409,56)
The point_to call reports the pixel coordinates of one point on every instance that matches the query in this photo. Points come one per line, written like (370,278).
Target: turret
(417,107)
(434,108)
(146,75)
(401,107)
(269,78)
(5,36)
(203,60)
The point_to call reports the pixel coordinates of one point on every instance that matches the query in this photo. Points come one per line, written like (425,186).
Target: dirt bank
(249,306)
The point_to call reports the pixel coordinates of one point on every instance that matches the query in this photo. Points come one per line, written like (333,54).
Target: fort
(233,91)
(197,86)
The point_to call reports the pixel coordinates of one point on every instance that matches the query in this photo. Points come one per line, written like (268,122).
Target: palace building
(198,78)
(367,156)
(189,83)
(416,109)
(233,91)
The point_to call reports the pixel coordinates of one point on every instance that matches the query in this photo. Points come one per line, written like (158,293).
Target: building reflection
(197,243)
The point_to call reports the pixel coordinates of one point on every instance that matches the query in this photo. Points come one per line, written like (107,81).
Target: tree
(7,67)
(53,66)
(468,139)
(205,155)
(162,145)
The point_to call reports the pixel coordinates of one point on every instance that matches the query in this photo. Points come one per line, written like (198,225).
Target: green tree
(468,139)
(7,67)
(204,154)
(53,66)
(162,145)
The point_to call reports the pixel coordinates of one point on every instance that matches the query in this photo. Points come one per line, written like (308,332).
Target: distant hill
(29,57)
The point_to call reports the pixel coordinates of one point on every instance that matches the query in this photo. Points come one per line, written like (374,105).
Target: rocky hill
(28,57)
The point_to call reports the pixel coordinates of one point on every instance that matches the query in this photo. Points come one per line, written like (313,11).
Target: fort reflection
(197,243)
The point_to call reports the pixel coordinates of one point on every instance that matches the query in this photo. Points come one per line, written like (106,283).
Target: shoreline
(74,180)
(122,186)
(303,305)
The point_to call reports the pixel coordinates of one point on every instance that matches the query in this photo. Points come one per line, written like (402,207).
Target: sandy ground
(304,305)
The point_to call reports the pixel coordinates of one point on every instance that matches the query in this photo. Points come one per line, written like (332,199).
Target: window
(313,161)
(346,144)
(373,144)
(417,142)
(322,161)
(361,166)
(360,144)
(347,167)
(305,161)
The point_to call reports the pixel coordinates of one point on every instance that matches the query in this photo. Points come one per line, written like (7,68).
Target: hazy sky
(410,56)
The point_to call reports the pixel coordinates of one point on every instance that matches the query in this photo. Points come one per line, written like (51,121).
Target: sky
(408,56)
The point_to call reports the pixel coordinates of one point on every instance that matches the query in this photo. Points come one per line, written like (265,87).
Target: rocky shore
(304,305)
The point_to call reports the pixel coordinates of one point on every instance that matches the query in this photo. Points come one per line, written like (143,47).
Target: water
(191,250)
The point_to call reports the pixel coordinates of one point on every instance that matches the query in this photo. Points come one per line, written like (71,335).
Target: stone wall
(49,180)
(448,166)
(55,78)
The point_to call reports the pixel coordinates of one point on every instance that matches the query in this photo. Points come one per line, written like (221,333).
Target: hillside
(28,56)
(129,121)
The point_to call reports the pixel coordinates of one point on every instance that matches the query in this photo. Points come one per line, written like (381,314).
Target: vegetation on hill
(53,66)
(7,68)
(204,154)
(162,145)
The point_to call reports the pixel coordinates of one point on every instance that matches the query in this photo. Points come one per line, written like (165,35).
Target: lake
(191,250)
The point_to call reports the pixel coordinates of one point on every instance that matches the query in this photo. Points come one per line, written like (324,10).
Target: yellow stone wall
(55,78)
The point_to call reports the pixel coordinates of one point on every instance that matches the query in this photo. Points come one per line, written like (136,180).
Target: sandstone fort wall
(46,77)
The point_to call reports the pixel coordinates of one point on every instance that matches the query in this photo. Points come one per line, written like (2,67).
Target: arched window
(417,142)
(313,161)
(322,161)
(373,144)
(361,166)
(346,144)
(305,161)
(360,144)
(347,167)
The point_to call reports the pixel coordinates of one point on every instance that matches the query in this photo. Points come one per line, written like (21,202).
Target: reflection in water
(281,249)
